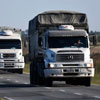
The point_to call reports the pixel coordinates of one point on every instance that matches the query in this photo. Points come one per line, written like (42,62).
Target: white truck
(11,56)
(59,48)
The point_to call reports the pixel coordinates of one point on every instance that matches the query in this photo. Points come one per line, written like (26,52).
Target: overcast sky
(17,13)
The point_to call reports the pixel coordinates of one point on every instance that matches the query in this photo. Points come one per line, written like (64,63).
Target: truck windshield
(65,42)
(10,44)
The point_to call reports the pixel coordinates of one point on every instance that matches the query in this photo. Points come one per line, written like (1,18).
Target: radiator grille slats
(8,55)
(69,57)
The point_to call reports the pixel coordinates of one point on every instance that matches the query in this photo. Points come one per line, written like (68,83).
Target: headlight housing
(54,65)
(51,65)
(88,65)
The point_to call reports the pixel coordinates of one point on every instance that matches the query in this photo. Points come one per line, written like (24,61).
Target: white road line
(97,97)
(47,88)
(8,98)
(17,81)
(62,90)
(26,83)
(8,79)
(1,77)
(78,93)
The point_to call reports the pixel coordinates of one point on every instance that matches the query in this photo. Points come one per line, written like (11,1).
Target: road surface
(16,87)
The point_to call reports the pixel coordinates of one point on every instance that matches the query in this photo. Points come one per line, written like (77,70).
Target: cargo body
(11,57)
(59,48)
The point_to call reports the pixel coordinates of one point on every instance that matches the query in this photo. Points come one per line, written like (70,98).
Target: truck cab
(67,55)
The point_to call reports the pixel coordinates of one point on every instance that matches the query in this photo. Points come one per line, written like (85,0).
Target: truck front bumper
(69,72)
(11,65)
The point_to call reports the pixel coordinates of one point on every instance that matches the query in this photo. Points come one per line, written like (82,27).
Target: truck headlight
(88,65)
(54,65)
(51,65)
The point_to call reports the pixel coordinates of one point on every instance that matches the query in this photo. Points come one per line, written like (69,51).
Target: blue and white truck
(59,48)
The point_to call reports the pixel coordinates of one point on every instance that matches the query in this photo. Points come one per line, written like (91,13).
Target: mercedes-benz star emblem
(70,57)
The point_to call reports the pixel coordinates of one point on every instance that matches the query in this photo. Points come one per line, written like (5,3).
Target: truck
(11,56)
(59,48)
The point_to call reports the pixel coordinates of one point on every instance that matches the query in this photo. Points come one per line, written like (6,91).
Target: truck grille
(8,64)
(69,57)
(10,55)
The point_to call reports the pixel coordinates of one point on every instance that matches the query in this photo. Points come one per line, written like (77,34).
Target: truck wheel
(48,82)
(20,71)
(33,79)
(40,79)
(87,81)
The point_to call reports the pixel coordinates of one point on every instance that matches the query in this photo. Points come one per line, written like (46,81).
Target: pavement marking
(8,79)
(47,87)
(8,98)
(62,90)
(78,93)
(97,97)
(26,83)
(17,81)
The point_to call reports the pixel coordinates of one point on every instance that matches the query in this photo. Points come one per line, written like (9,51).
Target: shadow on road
(30,86)
(16,85)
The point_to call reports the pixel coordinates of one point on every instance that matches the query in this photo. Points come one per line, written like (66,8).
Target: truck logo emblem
(70,57)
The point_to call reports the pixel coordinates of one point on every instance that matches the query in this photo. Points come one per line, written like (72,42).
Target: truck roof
(14,36)
(49,19)
(9,34)
(57,33)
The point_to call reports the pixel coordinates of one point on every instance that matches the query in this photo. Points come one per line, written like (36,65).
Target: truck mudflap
(69,72)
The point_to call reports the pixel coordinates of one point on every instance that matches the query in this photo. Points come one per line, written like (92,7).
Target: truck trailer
(59,48)
(11,56)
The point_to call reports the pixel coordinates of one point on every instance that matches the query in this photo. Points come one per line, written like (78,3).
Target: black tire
(87,81)
(48,82)
(20,71)
(33,74)
(40,79)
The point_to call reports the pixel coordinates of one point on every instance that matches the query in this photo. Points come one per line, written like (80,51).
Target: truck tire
(87,81)
(32,75)
(40,79)
(20,71)
(48,82)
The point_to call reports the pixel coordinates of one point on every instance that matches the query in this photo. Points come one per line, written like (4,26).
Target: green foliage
(96,78)
(27,68)
(96,59)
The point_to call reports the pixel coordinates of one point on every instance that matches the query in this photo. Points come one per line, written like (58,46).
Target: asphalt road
(16,87)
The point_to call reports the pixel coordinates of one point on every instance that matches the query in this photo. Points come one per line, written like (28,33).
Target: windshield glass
(10,44)
(65,42)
